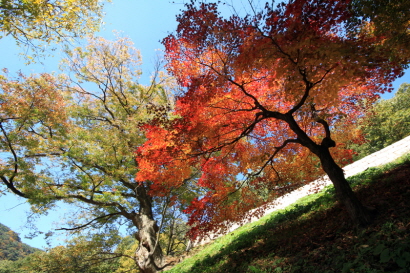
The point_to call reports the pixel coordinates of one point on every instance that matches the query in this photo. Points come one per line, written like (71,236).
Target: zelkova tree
(72,139)
(262,96)
(38,23)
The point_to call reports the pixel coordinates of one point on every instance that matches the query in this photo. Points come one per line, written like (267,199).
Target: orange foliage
(262,94)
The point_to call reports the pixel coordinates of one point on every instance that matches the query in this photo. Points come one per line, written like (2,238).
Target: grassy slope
(315,234)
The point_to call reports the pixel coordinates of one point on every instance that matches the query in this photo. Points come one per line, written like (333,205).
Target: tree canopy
(72,138)
(262,96)
(389,20)
(38,23)
(386,122)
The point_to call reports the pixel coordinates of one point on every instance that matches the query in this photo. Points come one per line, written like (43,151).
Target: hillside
(315,234)
(11,247)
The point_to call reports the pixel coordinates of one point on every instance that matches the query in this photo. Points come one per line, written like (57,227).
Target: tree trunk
(344,193)
(171,235)
(149,253)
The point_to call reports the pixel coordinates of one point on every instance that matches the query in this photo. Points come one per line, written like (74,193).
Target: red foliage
(261,94)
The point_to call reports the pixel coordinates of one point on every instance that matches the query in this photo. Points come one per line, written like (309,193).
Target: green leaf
(378,249)
(347,266)
(385,256)
(401,262)
(406,256)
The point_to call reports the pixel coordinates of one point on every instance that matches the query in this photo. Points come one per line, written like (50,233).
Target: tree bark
(344,193)
(149,254)
(171,237)
(358,213)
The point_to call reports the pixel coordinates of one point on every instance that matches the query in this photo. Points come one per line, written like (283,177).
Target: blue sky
(146,22)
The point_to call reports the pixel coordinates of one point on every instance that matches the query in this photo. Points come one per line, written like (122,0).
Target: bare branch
(90,222)
(43,154)
(277,150)
(258,117)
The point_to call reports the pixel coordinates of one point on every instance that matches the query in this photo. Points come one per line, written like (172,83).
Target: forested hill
(11,247)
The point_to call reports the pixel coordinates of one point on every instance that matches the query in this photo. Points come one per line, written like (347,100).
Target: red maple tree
(262,97)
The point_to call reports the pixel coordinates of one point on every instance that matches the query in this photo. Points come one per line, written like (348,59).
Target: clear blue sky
(146,22)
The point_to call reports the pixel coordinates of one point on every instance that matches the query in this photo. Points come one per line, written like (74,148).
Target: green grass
(316,235)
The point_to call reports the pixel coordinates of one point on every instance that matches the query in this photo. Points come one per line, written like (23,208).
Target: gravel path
(381,157)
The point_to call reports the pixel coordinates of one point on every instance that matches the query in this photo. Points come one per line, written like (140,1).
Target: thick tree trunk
(149,253)
(344,193)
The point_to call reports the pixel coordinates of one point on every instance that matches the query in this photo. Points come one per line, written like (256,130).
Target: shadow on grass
(234,256)
(315,234)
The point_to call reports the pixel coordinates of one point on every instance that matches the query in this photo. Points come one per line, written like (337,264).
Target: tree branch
(277,150)
(90,222)
(43,154)
(9,182)
(11,187)
(327,140)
